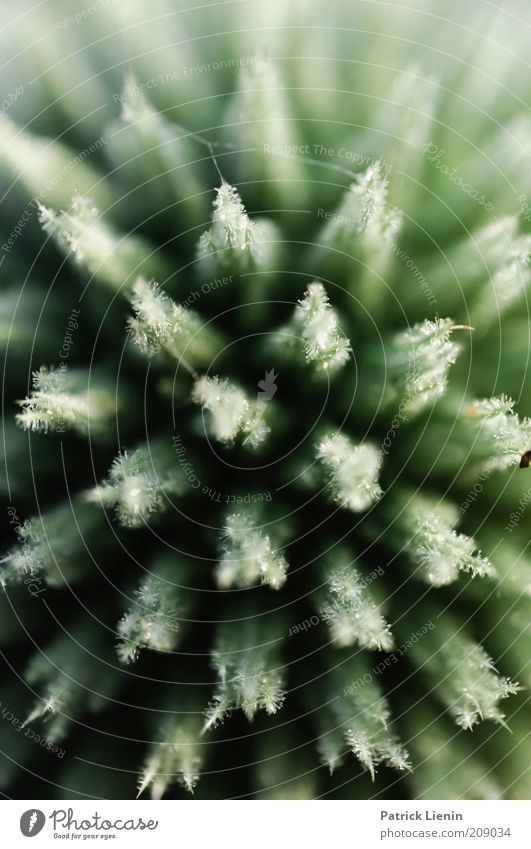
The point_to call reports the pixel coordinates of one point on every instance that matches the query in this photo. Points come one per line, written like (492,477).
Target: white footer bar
(267,825)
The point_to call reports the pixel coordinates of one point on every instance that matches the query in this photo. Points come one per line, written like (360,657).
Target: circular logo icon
(31,822)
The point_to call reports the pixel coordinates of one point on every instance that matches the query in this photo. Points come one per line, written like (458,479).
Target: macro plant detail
(257,492)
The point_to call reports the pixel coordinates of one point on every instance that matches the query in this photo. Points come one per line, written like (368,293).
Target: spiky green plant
(264,309)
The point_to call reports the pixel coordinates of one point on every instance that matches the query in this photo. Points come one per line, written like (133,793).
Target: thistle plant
(266,496)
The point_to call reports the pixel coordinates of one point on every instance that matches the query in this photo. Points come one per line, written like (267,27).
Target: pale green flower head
(264,277)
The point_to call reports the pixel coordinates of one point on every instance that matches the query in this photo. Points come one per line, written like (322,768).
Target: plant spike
(161,325)
(76,680)
(115,260)
(231,413)
(315,327)
(419,361)
(176,757)
(435,549)
(64,399)
(141,483)
(250,675)
(351,472)
(250,555)
(347,606)
(460,671)
(234,241)
(55,546)
(501,433)
(157,612)
(356,718)
(364,217)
